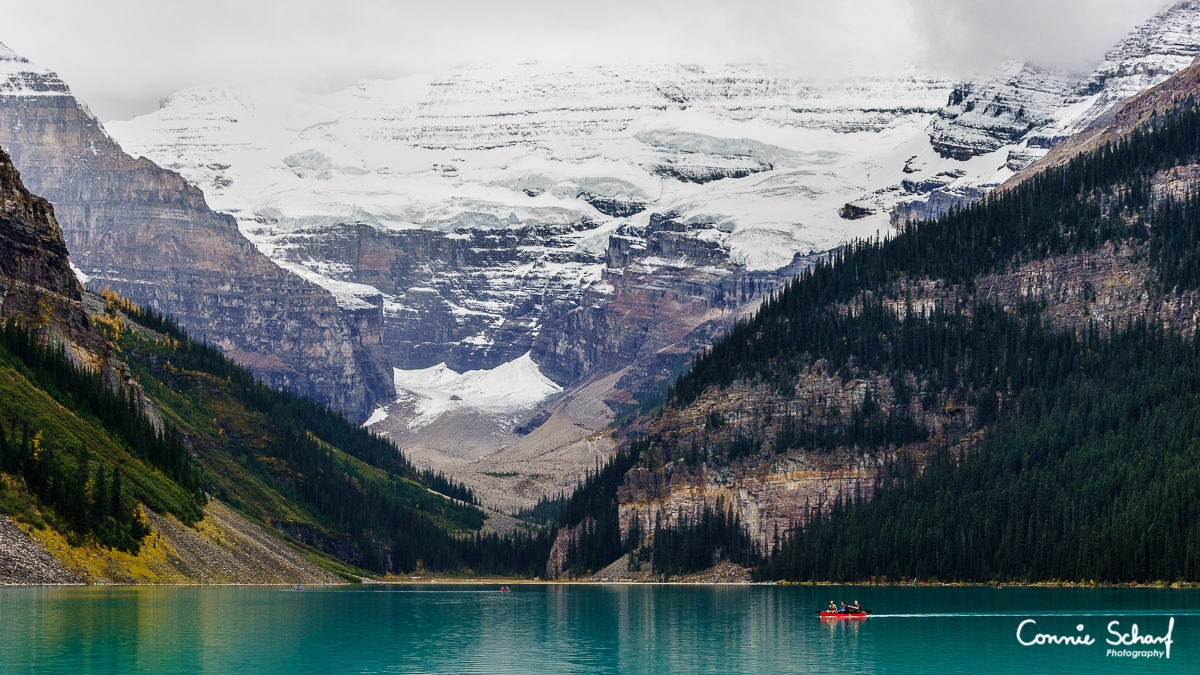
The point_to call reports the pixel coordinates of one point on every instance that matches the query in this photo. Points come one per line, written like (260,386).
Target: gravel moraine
(23,562)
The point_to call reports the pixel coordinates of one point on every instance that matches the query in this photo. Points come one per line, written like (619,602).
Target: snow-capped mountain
(1017,117)
(20,77)
(499,147)
(471,206)
(577,213)
(146,233)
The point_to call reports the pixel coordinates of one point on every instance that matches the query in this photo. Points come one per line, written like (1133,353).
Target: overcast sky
(122,56)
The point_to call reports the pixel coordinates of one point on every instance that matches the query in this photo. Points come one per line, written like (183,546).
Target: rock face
(556,563)
(37,285)
(471,298)
(663,294)
(146,233)
(985,115)
(687,466)
(34,251)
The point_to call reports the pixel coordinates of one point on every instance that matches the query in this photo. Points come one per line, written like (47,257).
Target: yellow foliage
(98,564)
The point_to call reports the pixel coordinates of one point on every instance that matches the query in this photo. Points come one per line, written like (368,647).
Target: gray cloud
(121,56)
(963,36)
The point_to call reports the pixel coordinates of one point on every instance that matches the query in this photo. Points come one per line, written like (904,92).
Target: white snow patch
(380,414)
(83,278)
(437,390)
(348,295)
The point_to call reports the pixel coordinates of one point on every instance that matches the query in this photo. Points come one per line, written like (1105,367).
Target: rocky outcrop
(34,252)
(984,115)
(37,286)
(688,464)
(146,233)
(340,547)
(770,494)
(556,564)
(937,202)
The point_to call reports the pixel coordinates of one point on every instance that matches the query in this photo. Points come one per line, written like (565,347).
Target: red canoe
(847,615)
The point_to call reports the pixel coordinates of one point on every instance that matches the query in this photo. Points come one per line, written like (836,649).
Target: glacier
(512,387)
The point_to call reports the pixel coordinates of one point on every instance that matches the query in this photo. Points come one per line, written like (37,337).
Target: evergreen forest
(1086,470)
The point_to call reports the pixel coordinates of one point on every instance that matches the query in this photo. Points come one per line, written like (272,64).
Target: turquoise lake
(583,629)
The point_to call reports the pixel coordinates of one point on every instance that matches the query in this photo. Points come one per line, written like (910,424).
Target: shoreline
(458,581)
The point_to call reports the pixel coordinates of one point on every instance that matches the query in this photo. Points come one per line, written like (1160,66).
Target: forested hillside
(1002,438)
(89,454)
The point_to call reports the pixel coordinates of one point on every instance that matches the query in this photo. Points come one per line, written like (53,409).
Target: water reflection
(564,629)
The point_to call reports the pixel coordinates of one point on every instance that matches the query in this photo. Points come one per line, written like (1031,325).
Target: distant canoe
(861,614)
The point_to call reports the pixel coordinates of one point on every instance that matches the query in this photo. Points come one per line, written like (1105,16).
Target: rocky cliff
(149,235)
(37,285)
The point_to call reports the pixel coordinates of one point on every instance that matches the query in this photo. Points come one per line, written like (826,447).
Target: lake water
(582,629)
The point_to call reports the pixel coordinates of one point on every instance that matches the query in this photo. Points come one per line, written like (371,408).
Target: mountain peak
(20,77)
(7,54)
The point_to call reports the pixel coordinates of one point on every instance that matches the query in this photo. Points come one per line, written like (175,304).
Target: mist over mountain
(318,48)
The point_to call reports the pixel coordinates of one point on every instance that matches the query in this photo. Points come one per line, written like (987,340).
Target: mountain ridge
(149,234)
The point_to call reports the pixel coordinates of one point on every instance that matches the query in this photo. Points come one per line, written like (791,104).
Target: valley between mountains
(616,323)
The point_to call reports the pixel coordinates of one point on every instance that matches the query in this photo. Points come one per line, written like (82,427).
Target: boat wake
(1130,613)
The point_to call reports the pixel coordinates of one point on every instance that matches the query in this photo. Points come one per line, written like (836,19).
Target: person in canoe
(843,609)
(856,607)
(832,606)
